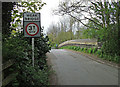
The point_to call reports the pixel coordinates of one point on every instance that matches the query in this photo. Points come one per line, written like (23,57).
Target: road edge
(53,80)
(95,58)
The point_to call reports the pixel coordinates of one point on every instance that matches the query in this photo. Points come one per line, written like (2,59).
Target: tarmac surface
(75,69)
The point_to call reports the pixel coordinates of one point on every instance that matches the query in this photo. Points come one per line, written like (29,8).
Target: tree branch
(82,22)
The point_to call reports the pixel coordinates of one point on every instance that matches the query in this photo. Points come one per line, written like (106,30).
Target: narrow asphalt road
(75,69)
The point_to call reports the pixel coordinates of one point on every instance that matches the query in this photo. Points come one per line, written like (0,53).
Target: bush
(77,48)
(101,55)
(74,48)
(90,50)
(32,76)
(109,58)
(15,48)
(19,48)
(71,47)
(81,49)
(98,52)
(85,50)
(117,59)
(105,56)
(94,50)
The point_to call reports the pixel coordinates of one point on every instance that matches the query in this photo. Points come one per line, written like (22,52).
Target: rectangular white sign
(31,17)
(32,24)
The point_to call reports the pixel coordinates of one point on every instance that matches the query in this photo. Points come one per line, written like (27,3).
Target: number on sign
(31,29)
(34,29)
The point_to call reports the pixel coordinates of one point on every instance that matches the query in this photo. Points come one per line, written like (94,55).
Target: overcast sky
(47,16)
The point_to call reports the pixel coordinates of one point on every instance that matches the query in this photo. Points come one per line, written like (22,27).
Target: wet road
(75,69)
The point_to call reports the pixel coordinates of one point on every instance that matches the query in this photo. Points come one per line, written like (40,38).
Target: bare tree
(84,10)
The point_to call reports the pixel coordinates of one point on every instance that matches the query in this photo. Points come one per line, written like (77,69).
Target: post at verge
(33,51)
(32,26)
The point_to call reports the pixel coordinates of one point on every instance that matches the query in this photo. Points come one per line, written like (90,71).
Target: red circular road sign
(32,29)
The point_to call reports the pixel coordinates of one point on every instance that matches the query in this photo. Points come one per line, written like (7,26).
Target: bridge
(89,43)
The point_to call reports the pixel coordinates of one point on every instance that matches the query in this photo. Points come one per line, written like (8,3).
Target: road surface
(75,69)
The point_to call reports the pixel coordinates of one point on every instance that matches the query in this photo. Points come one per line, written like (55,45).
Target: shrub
(109,58)
(94,50)
(77,48)
(85,50)
(15,48)
(101,55)
(90,50)
(69,47)
(19,48)
(32,76)
(74,48)
(82,49)
(105,56)
(117,59)
(98,52)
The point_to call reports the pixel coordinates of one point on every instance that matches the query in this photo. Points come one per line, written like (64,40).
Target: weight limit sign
(31,24)
(32,29)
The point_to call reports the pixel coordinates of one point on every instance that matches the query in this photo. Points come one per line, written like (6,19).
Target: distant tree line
(100,20)
(66,29)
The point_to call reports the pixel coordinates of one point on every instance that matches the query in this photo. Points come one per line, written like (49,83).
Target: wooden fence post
(10,77)
(0,43)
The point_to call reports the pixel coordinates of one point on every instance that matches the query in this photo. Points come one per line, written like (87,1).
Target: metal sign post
(32,25)
(33,51)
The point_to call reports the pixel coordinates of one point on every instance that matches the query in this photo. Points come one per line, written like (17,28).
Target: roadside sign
(32,29)
(31,17)
(32,24)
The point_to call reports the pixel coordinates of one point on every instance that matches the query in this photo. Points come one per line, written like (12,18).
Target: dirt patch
(95,58)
